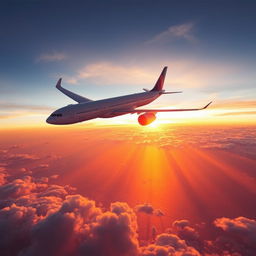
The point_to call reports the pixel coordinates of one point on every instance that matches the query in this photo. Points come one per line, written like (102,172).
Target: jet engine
(146,118)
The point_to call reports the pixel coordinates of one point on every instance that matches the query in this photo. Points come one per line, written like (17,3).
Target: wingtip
(59,83)
(208,105)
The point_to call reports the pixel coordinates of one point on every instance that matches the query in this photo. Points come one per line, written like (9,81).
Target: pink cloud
(168,244)
(17,188)
(35,213)
(182,31)
(241,229)
(148,209)
(3,176)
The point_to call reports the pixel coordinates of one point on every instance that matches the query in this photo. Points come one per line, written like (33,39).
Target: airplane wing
(74,96)
(138,111)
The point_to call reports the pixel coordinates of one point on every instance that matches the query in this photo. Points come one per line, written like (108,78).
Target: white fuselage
(101,108)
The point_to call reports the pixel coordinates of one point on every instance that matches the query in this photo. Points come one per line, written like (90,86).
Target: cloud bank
(39,218)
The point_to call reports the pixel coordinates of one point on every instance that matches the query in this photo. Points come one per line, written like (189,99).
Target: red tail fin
(160,82)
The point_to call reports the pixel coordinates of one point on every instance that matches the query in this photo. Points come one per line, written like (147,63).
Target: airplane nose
(49,120)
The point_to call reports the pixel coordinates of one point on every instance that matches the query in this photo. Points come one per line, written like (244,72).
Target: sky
(111,48)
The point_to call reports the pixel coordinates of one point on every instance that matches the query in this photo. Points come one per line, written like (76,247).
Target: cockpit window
(56,114)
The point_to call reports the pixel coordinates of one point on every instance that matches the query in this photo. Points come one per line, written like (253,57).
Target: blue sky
(109,48)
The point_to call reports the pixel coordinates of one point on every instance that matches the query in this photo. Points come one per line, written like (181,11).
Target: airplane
(87,109)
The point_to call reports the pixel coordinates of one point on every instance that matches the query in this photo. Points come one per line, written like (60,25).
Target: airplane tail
(160,82)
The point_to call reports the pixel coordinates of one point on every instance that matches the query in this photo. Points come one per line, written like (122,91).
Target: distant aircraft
(87,109)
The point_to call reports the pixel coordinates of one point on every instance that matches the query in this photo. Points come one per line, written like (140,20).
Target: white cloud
(51,57)
(67,79)
(109,73)
(181,74)
(182,31)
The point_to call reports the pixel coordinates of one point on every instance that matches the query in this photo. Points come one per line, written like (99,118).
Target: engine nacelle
(146,119)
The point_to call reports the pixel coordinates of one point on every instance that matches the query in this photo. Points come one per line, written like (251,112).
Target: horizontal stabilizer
(74,96)
(171,92)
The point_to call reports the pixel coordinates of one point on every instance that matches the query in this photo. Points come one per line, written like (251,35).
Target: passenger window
(56,114)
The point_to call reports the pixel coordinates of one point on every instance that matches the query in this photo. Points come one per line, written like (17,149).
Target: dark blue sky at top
(30,26)
(89,31)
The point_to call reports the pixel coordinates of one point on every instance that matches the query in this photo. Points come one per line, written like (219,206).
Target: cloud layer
(106,73)
(37,208)
(33,218)
(39,218)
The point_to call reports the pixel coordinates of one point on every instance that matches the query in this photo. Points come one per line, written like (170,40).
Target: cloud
(242,228)
(114,233)
(234,104)
(34,213)
(184,230)
(68,79)
(55,190)
(175,32)
(17,188)
(110,73)
(238,235)
(234,107)
(14,110)
(21,157)
(158,212)
(73,222)
(63,227)
(16,223)
(54,176)
(236,113)
(184,73)
(14,161)
(3,175)
(241,140)
(20,163)
(180,223)
(169,244)
(17,114)
(51,57)
(148,209)
(9,105)
(145,208)
(51,212)
(11,115)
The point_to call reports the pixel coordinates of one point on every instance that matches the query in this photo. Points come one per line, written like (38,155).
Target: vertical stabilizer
(160,82)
